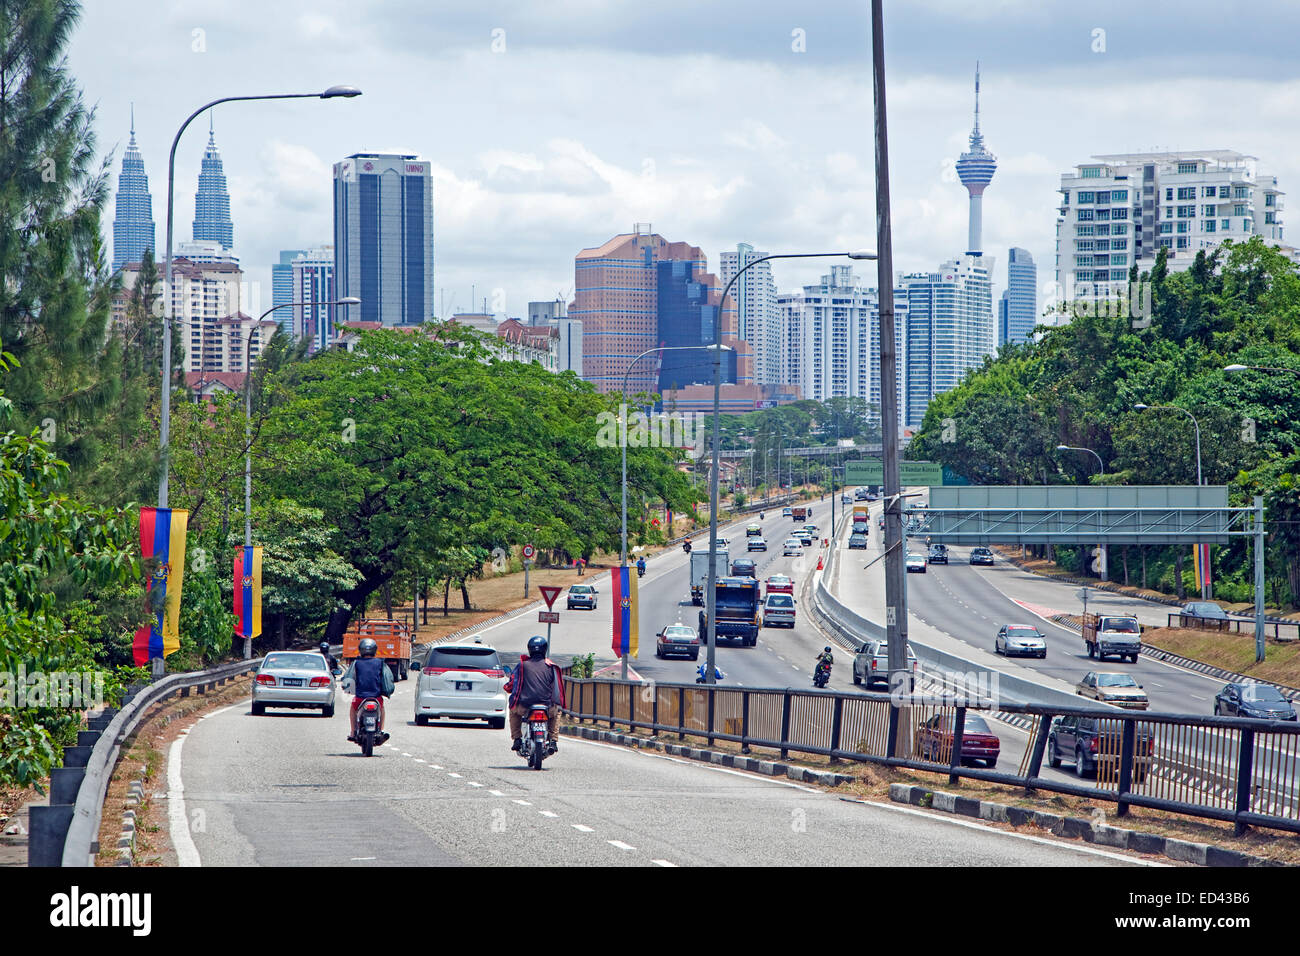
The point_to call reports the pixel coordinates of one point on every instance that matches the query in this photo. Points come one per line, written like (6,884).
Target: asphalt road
(287,789)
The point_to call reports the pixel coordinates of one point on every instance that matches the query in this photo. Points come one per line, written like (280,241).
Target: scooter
(533,747)
(718,676)
(821,675)
(640,570)
(686,546)
(368,733)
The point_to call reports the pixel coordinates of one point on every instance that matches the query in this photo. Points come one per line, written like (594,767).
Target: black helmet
(324,647)
(826,649)
(367,647)
(537,646)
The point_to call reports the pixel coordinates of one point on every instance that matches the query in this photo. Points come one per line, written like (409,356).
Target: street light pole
(165,428)
(717,412)
(622,440)
(1206,588)
(1100,464)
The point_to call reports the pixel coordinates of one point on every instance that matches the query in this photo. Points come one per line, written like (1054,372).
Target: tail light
(371,705)
(266,679)
(539,717)
(1092,744)
(320,682)
(436,670)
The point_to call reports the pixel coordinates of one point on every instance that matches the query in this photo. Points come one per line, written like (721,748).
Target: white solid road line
(187,854)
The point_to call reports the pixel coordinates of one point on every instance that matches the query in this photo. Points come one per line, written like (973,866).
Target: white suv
(461,682)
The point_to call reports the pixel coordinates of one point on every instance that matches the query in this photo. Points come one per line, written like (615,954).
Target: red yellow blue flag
(162,537)
(248,591)
(625,611)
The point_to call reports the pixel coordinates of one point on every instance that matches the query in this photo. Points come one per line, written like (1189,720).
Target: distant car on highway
(294,679)
(872,496)
(981,556)
(916,562)
(1118,689)
(810,528)
(871,663)
(756,544)
(1083,741)
(978,742)
(792,546)
(678,640)
(1020,639)
(780,584)
(1251,699)
(745,568)
(857,542)
(581,595)
(754,530)
(938,554)
(805,537)
(1203,614)
(778,610)
(846,499)
(861,494)
(786,512)
(461,682)
(860,527)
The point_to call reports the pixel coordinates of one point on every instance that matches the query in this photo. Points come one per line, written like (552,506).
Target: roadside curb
(770,768)
(1075,828)
(126,842)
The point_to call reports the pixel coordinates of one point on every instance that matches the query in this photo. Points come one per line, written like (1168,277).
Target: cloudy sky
(553,126)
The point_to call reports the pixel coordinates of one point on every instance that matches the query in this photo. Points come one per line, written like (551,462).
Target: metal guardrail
(1223,623)
(66,832)
(1246,772)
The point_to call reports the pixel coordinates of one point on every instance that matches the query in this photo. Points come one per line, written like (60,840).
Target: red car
(978,742)
(780,584)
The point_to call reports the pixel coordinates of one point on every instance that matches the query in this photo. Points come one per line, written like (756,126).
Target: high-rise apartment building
(638,291)
(759,317)
(1018,307)
(212,201)
(1119,210)
(282,287)
(948,331)
(975,169)
(133,225)
(383,238)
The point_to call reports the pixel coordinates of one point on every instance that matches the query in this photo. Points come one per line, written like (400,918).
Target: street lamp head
(861,254)
(344,91)
(349,300)
(1062,447)
(1235,368)
(1140,407)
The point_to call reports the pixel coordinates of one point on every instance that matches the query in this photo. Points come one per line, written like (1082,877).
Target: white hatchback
(462,682)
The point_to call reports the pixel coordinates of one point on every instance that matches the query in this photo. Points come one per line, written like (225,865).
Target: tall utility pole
(895,583)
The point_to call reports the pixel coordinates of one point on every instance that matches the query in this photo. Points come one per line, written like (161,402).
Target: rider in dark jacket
(368,677)
(537,680)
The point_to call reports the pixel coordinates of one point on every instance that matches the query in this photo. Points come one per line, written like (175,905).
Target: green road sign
(871,471)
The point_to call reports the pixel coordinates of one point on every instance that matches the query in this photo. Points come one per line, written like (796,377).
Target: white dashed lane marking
(451,774)
(548,813)
(496,793)
(620,844)
(522,803)
(581,829)
(663,863)
(473,784)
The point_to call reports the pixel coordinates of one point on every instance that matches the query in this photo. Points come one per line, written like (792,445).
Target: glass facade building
(212,201)
(687,317)
(383,238)
(1018,307)
(133,225)
(282,287)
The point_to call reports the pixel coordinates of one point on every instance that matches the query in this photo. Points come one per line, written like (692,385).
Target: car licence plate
(291,681)
(464,685)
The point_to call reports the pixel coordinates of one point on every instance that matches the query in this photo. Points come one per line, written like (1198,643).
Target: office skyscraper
(975,169)
(383,238)
(282,287)
(755,296)
(638,291)
(949,330)
(1018,307)
(133,226)
(212,201)
(312,280)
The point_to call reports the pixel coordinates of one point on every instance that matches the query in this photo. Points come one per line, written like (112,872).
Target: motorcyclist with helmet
(330,663)
(537,680)
(368,677)
(824,659)
(640,567)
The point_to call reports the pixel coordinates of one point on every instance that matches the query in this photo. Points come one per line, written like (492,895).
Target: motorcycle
(533,747)
(718,676)
(640,570)
(686,546)
(821,675)
(762,515)
(368,733)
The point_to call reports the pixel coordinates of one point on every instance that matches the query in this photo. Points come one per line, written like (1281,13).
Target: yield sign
(549,593)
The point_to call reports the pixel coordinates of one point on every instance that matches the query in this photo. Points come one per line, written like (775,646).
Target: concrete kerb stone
(1183,851)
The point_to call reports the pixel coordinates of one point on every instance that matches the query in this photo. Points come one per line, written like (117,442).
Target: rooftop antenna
(977,97)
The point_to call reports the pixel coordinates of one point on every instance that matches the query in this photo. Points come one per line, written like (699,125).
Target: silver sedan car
(1021,639)
(294,679)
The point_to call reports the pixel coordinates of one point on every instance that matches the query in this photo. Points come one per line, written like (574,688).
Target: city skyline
(523,180)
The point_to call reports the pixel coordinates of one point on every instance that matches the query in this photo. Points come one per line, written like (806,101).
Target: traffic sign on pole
(529,551)
(548,617)
(549,593)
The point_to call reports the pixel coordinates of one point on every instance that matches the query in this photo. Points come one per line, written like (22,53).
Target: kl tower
(975,170)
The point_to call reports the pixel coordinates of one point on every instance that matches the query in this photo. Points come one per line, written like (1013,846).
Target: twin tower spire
(133,223)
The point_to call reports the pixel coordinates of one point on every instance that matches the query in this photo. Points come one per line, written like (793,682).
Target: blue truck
(738,608)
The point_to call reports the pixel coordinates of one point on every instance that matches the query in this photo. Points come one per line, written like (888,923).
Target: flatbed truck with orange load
(393,638)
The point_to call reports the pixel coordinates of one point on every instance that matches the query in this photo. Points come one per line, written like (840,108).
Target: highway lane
(287,789)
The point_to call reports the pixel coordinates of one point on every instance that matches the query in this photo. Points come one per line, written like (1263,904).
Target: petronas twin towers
(133,223)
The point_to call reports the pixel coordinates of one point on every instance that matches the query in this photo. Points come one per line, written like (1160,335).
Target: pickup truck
(871,663)
(392,637)
(1094,748)
(738,608)
(700,572)
(1112,635)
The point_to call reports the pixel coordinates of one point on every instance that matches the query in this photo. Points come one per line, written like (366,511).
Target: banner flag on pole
(162,536)
(625,611)
(248,591)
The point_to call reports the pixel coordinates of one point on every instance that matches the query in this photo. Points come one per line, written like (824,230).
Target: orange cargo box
(393,638)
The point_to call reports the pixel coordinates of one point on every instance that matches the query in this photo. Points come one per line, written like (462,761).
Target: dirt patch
(145,753)
(872,781)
